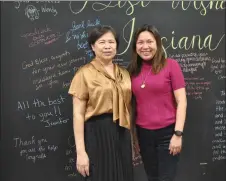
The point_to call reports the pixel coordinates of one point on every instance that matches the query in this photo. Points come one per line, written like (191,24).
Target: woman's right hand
(135,149)
(83,164)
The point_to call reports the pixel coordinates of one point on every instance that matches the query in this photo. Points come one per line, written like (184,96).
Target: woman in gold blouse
(101,93)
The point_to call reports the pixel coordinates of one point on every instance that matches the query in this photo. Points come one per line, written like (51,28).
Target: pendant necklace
(144,79)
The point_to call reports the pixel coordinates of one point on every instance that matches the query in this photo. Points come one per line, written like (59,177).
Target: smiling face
(105,47)
(146,45)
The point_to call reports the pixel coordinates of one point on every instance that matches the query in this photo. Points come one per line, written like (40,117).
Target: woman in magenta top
(160,104)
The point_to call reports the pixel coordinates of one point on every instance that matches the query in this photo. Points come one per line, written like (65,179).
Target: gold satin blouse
(103,93)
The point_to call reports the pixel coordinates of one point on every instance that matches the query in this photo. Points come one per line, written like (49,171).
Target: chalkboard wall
(43,43)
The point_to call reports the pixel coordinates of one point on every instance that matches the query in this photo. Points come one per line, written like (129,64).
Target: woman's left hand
(175,145)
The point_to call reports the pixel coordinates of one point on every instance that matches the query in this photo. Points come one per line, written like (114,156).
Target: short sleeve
(177,77)
(78,85)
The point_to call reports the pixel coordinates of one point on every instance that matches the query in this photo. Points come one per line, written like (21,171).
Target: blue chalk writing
(78,26)
(82,45)
(78,32)
(89,53)
(92,24)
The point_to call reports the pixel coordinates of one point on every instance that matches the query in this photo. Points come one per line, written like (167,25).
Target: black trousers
(154,149)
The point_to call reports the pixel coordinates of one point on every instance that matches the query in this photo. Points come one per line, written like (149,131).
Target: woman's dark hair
(158,61)
(99,31)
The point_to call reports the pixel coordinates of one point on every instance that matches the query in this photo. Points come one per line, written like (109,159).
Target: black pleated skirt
(109,149)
